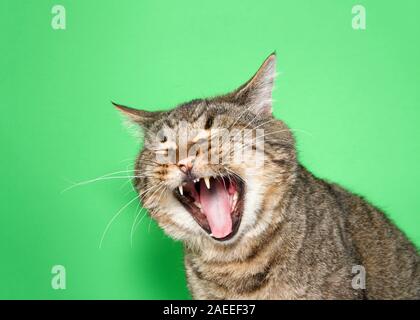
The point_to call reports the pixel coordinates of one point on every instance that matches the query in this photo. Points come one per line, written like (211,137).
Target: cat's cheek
(178,223)
(253,199)
(169,227)
(173,231)
(173,177)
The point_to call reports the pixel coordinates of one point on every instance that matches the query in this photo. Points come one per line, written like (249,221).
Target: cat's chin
(216,204)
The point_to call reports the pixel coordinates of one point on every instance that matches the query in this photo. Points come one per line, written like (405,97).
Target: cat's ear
(256,93)
(141,117)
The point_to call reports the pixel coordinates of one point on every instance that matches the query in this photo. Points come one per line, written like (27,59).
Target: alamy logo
(359,280)
(359,17)
(58,21)
(58,281)
(216,146)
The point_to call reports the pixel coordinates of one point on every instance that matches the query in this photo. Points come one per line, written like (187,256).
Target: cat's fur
(300,236)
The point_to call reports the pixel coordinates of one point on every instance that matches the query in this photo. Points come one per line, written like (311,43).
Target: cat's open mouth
(215,203)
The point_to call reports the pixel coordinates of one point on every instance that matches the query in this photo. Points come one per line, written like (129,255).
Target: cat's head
(210,168)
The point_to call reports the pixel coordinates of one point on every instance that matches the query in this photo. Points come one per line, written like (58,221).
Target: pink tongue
(216,206)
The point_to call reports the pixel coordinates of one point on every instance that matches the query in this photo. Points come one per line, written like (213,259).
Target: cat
(263,227)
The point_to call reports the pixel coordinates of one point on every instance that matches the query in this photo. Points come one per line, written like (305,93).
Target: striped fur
(300,236)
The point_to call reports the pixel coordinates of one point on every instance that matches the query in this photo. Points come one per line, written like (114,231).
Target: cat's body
(321,235)
(263,229)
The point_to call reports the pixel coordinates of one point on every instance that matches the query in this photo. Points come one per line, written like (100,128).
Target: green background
(352,95)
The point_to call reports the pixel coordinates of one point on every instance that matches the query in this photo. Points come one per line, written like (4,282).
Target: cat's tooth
(207,181)
(198,204)
(181,190)
(235,198)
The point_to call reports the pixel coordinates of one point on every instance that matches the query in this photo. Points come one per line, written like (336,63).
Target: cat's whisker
(100,179)
(285,130)
(235,174)
(136,224)
(153,189)
(148,161)
(260,125)
(160,196)
(250,122)
(93,180)
(126,160)
(144,192)
(255,140)
(223,180)
(113,219)
(240,116)
(137,212)
(102,176)
(156,190)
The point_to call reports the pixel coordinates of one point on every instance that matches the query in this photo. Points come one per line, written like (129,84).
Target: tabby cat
(261,226)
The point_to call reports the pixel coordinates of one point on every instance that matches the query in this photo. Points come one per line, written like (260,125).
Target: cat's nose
(185,165)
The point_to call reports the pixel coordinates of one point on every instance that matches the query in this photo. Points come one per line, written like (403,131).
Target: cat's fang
(235,200)
(235,197)
(207,182)
(181,190)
